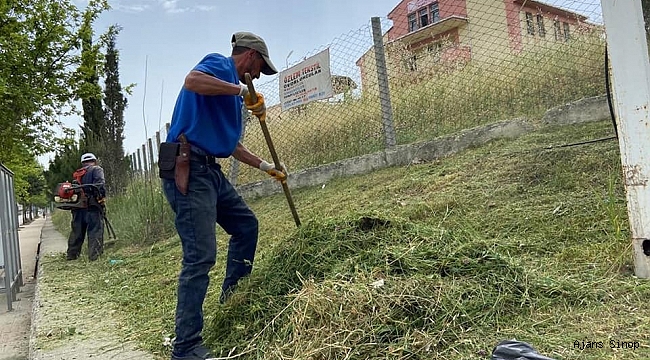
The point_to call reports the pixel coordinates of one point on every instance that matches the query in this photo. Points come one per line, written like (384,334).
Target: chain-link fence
(432,68)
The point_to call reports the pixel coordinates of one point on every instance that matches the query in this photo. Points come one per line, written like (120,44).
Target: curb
(36,300)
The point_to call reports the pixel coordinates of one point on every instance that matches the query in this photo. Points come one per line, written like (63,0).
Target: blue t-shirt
(211,122)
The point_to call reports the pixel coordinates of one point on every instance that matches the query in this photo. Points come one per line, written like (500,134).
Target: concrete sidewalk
(53,308)
(15,325)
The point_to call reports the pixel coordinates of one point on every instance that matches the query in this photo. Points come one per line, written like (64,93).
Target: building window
(435,12)
(540,25)
(529,23)
(424,17)
(558,30)
(413,22)
(567,32)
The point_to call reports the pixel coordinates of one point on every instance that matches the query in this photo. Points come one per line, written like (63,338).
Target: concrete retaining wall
(585,110)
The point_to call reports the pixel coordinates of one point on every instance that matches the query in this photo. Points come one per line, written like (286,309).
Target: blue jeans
(210,198)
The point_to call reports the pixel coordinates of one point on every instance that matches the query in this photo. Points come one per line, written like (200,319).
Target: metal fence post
(13,236)
(626,39)
(10,262)
(4,248)
(384,89)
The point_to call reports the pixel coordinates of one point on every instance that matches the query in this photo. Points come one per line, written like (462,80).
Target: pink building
(457,31)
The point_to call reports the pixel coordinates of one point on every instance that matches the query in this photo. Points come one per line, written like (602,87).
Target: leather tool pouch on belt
(174,163)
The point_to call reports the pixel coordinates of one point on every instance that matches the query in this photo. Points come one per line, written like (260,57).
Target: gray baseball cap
(252,41)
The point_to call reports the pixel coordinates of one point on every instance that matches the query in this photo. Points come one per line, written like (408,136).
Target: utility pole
(628,49)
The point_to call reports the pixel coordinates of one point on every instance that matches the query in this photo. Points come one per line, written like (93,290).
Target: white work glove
(243,90)
(271,170)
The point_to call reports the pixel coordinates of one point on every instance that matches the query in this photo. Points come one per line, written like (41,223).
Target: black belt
(204,159)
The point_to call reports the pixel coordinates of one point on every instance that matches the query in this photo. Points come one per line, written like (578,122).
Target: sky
(162,40)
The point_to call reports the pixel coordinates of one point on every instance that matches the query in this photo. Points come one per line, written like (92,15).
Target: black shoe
(71,257)
(198,353)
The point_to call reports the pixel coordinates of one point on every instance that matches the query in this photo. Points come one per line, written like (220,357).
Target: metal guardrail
(11,273)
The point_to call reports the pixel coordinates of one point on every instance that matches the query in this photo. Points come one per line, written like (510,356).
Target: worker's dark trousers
(91,221)
(211,198)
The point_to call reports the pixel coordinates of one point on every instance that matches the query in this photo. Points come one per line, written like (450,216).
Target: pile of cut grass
(437,260)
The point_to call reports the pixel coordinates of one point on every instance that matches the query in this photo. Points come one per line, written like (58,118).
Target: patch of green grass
(437,260)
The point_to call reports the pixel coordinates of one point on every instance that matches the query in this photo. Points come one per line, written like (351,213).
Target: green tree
(39,50)
(29,180)
(90,93)
(40,47)
(35,188)
(115,102)
(66,161)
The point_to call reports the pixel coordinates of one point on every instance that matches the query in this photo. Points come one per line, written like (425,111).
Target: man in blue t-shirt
(208,112)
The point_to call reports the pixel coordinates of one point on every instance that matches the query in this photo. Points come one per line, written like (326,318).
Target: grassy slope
(503,241)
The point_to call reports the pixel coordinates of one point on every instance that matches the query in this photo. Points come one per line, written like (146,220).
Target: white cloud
(133,8)
(173,7)
(205,7)
(168,6)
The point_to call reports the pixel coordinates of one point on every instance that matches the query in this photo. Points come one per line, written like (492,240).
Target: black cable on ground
(580,143)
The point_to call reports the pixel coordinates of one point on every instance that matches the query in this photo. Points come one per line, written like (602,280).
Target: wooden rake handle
(274,154)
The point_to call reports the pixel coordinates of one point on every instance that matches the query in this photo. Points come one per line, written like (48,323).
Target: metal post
(10,250)
(6,258)
(9,243)
(628,49)
(13,228)
(384,90)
